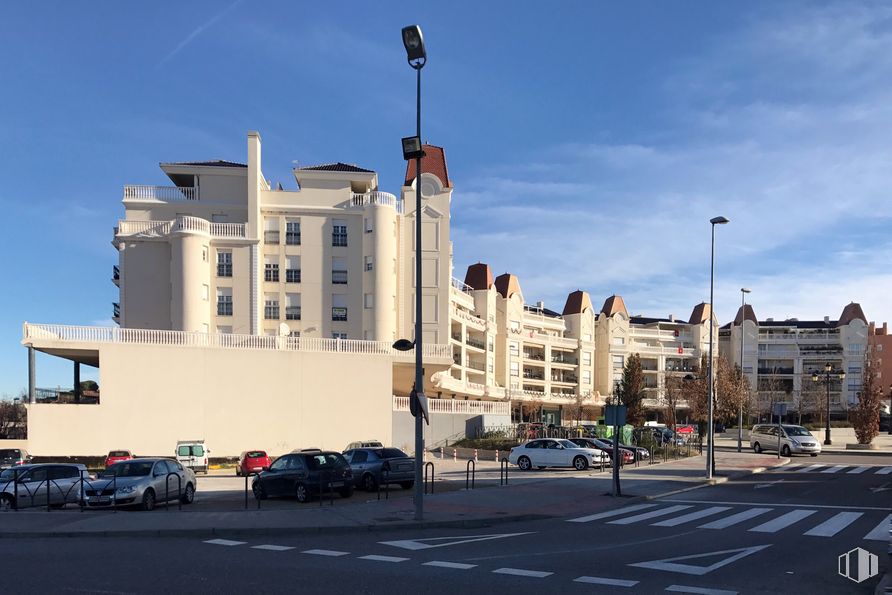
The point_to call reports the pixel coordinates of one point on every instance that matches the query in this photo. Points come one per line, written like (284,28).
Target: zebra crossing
(826,468)
(811,521)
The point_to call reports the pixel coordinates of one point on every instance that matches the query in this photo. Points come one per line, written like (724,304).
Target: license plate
(100,499)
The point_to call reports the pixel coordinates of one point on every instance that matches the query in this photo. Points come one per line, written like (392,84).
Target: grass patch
(486,443)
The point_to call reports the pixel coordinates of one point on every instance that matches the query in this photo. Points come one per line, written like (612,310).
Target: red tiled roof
(577,303)
(479,276)
(433,162)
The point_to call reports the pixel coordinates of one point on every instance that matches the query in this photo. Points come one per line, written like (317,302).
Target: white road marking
(778,504)
(455,565)
(861,469)
(881,531)
(225,542)
(521,572)
(648,515)
(272,548)
(613,582)
(735,518)
(698,590)
(383,558)
(884,470)
(783,521)
(834,524)
(834,469)
(331,553)
(672,565)
(610,513)
(692,516)
(810,468)
(419,544)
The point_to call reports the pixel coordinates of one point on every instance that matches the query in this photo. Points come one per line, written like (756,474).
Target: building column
(32,375)
(77,382)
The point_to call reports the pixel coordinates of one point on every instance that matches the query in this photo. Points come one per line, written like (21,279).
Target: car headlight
(125,489)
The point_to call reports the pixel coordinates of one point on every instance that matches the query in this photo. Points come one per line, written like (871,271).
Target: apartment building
(779,356)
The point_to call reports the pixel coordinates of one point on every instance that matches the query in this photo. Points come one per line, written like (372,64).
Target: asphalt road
(775,532)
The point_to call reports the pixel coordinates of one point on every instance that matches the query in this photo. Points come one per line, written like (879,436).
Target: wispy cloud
(198,31)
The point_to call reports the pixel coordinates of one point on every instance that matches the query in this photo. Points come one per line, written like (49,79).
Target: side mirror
(264,468)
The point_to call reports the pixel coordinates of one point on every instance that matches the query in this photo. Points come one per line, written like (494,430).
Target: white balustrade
(181,223)
(160,193)
(455,407)
(376,198)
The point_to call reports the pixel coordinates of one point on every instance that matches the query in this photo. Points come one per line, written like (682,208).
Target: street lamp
(890,409)
(417,58)
(825,377)
(710,455)
(743,292)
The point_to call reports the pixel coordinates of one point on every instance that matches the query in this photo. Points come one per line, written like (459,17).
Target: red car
(117,455)
(252,461)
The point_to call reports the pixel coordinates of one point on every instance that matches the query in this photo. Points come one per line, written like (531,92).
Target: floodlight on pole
(710,455)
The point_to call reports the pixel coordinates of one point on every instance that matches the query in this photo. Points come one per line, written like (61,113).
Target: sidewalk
(526,497)
(839,436)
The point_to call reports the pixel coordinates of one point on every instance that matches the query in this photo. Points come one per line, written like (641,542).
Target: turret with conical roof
(577,303)
(614,304)
(507,285)
(479,276)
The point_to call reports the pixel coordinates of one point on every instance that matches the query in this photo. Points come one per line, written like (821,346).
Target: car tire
(188,494)
(148,500)
(238,472)
(346,492)
(7,502)
(814,454)
(757,448)
(580,464)
(301,493)
(540,466)
(407,485)
(259,492)
(524,463)
(785,451)
(369,483)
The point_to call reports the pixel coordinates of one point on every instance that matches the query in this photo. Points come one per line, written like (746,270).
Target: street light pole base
(828,442)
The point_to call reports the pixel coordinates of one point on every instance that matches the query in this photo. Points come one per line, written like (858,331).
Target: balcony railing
(116,274)
(461,286)
(116,311)
(157,229)
(160,193)
(376,198)
(475,343)
(457,407)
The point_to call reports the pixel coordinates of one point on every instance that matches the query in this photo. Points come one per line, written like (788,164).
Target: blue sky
(601,137)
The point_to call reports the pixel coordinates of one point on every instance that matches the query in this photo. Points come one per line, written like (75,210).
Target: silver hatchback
(51,484)
(143,483)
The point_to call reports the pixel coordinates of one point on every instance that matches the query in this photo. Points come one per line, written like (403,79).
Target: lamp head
(745,290)
(842,375)
(814,377)
(828,367)
(719,220)
(414,43)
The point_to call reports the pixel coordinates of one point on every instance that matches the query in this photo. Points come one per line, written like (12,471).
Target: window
(270,230)
(879,347)
(338,232)
(856,347)
(587,337)
(205,292)
(368,263)
(224,301)
(369,300)
(224,263)
(292,233)
(586,358)
(514,348)
(271,307)
(619,341)
(271,269)
(586,377)
(339,307)
(292,270)
(204,253)
(617,361)
(515,369)
(339,271)
(368,225)
(292,306)
(339,336)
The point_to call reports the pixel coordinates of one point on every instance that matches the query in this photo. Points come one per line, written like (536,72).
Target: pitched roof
(851,312)
(215,163)
(745,312)
(345,167)
(507,285)
(433,162)
(577,303)
(479,276)
(614,304)
(701,313)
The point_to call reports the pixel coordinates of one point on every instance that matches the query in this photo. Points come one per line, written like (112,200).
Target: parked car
(26,485)
(605,446)
(549,452)
(364,444)
(142,482)
(252,461)
(193,454)
(793,440)
(642,453)
(115,456)
(302,474)
(11,457)
(369,466)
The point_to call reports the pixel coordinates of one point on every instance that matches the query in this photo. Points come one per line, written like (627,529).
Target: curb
(719,480)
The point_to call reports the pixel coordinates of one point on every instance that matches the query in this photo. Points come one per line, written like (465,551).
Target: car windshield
(390,453)
(567,444)
(119,453)
(10,474)
(10,453)
(328,460)
(796,431)
(129,469)
(255,454)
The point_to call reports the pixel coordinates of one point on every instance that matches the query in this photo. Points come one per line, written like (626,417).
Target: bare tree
(630,390)
(13,420)
(695,390)
(808,398)
(732,390)
(671,397)
(866,414)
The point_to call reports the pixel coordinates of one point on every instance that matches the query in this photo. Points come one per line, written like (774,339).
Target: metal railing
(162,193)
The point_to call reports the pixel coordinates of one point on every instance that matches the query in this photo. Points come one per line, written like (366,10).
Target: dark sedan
(381,466)
(303,474)
(606,446)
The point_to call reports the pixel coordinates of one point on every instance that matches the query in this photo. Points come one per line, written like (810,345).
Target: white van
(193,454)
(793,440)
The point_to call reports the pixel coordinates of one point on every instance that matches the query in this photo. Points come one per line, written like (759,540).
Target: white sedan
(553,452)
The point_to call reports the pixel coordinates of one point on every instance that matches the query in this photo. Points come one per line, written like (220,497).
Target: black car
(303,474)
(381,466)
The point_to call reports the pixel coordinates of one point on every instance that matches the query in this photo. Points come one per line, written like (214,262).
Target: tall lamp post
(743,292)
(710,455)
(826,377)
(890,409)
(417,57)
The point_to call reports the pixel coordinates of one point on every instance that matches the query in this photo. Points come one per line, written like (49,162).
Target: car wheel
(369,483)
(757,447)
(580,464)
(301,494)
(148,500)
(346,492)
(188,494)
(524,464)
(814,454)
(540,467)
(785,451)
(7,502)
(259,492)
(238,472)
(407,485)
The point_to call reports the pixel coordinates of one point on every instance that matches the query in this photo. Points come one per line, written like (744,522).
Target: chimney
(826,320)
(540,304)
(769,320)
(885,328)
(672,318)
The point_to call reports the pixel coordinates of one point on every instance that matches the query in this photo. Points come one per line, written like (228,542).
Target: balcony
(534,356)
(478,366)
(564,359)
(775,370)
(116,275)
(160,229)
(565,379)
(533,375)
(475,343)
(160,193)
(376,198)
